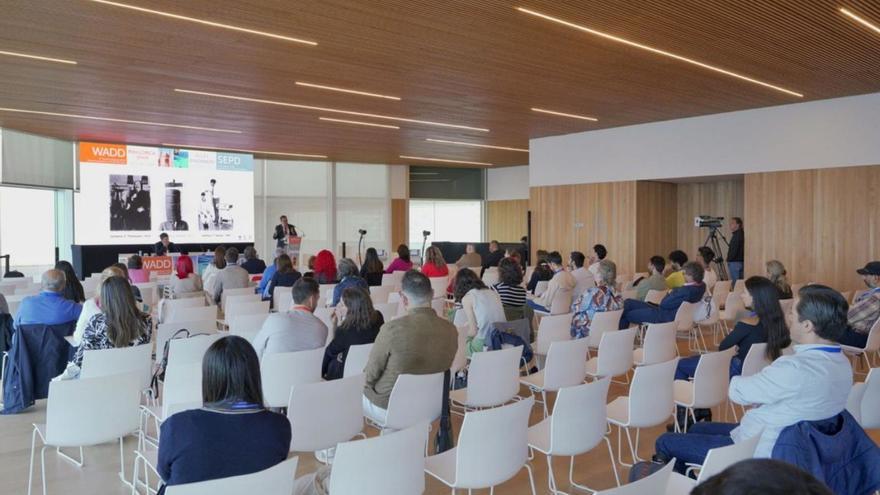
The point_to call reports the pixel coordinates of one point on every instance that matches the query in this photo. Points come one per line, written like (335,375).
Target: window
(455,221)
(27,227)
(362,202)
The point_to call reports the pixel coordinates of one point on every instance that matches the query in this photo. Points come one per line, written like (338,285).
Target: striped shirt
(511,295)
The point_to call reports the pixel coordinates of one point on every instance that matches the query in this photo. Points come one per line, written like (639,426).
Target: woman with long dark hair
(403,262)
(372,268)
(232,434)
(73,289)
(481,305)
(360,326)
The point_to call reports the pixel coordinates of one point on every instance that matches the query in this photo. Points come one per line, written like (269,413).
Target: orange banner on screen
(103,153)
(162,265)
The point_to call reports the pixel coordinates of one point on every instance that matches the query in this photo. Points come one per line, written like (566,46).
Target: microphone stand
(360,242)
(424,248)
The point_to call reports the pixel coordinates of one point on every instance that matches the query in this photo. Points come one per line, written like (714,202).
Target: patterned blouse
(95,336)
(592,301)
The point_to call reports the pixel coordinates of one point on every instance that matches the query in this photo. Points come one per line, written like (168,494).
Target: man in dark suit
(735,256)
(635,311)
(283,230)
(164,246)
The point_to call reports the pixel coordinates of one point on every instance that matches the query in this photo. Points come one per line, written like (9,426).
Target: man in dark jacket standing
(735,252)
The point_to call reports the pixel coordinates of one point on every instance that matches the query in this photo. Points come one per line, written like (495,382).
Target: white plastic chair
(439,307)
(864,401)
(356,359)
(181,390)
(560,304)
(169,306)
(439,285)
(710,384)
(871,345)
(389,310)
(199,313)
(460,361)
(393,279)
(702,320)
(603,321)
(684,322)
(227,293)
(717,460)
(234,310)
(733,306)
(492,447)
(491,276)
(415,399)
(85,412)
(249,297)
(648,404)
(277,480)
(615,355)
(282,299)
(191,350)
(323,314)
(564,368)
(379,293)
(655,296)
(282,370)
(720,292)
(164,332)
(659,345)
(493,379)
(322,414)
(577,426)
(649,485)
(541,287)
(387,464)
(756,359)
(247,326)
(553,328)
(136,359)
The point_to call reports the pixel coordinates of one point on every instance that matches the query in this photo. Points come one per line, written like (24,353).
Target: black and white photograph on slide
(213,213)
(129,202)
(173,210)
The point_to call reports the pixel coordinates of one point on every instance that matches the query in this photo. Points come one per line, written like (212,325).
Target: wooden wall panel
(717,199)
(656,228)
(506,219)
(552,218)
(606,213)
(399,222)
(822,224)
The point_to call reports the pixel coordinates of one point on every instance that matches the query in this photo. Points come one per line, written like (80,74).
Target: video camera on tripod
(708,221)
(714,225)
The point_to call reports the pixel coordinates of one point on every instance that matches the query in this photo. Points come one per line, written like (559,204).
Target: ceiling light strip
(256,152)
(563,114)
(357,122)
(658,51)
(343,90)
(123,121)
(331,110)
(474,145)
(206,23)
(37,57)
(860,20)
(443,160)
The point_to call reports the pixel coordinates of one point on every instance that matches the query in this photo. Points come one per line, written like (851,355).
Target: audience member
(185,280)
(4,306)
(252,264)
(602,297)
(295,330)
(705,258)
(736,249)
(417,343)
(209,277)
(164,247)
(509,287)
(136,272)
(402,263)
(360,326)
(262,287)
(675,278)
(231,277)
(73,289)
(232,434)
(561,281)
(542,271)
(515,255)
(482,308)
(310,267)
(119,324)
(134,289)
(372,268)
(470,259)
(493,258)
(777,274)
(865,309)
(325,267)
(348,278)
(285,276)
(599,254)
(583,277)
(692,291)
(654,281)
(49,307)
(90,308)
(810,385)
(435,265)
(762,477)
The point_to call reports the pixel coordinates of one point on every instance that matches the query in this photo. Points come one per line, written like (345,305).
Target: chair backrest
(712,378)
(282,299)
(90,411)
(659,344)
(873,342)
(149,292)
(326,290)
(684,316)
(583,284)
(135,359)
(282,370)
(603,321)
(655,296)
(719,459)
(227,293)
(246,326)
(191,350)
(165,331)
(579,417)
(356,359)
(721,290)
(393,279)
(439,307)
(323,314)
(182,388)
(323,414)
(650,395)
(870,404)
(439,284)
(414,399)
(169,306)
(241,299)
(390,463)
(192,313)
(277,480)
(616,352)
(388,310)
(491,276)
(379,293)
(460,359)
(733,304)
(553,328)
(541,287)
(493,444)
(561,302)
(565,364)
(756,359)
(649,485)
(249,308)
(493,377)
(630,294)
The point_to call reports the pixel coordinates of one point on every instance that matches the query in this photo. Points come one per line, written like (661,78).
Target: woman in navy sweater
(233,434)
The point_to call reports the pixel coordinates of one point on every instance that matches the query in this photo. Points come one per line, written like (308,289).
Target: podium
(294,243)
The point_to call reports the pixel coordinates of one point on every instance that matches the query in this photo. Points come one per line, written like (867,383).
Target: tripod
(360,244)
(712,239)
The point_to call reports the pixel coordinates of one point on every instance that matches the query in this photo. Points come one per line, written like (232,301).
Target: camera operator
(735,251)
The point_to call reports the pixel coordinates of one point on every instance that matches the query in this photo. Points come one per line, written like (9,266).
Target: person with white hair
(49,307)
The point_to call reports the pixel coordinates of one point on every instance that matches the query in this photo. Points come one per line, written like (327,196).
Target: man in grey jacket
(231,277)
(295,330)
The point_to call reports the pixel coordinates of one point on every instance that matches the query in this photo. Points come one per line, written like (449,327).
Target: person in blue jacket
(635,311)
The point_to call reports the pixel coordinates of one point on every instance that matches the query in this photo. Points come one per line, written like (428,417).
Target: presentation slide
(131,194)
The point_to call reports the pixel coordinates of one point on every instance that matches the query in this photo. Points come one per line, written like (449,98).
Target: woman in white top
(210,276)
(185,281)
(481,305)
(707,255)
(90,307)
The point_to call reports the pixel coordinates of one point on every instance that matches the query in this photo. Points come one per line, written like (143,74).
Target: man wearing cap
(866,309)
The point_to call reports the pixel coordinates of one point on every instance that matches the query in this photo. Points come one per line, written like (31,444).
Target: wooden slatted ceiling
(475,63)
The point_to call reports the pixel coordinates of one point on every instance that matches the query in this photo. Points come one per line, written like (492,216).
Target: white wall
(507,183)
(838,132)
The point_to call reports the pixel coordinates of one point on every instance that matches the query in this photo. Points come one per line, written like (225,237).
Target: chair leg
(544,403)
(31,469)
(551,478)
(43,468)
(633,448)
(77,463)
(733,409)
(531,479)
